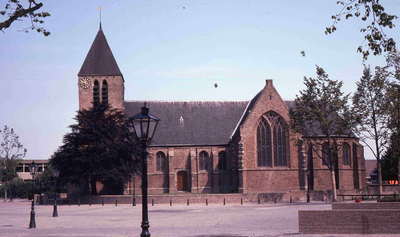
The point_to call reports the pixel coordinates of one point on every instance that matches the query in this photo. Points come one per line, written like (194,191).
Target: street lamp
(55,174)
(144,125)
(308,184)
(33,170)
(134,189)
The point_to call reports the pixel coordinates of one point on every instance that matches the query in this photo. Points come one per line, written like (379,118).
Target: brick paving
(178,220)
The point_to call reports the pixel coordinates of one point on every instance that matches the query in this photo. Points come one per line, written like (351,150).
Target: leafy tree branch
(15,11)
(375,39)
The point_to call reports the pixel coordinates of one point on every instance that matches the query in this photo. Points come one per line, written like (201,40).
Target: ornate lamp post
(144,125)
(55,174)
(134,189)
(33,170)
(308,185)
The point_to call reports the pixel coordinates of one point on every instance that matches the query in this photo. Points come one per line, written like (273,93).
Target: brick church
(220,146)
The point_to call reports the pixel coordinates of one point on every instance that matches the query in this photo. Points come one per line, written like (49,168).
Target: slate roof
(100,60)
(196,122)
(192,122)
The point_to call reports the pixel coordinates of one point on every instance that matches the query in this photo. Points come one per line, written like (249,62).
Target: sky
(172,50)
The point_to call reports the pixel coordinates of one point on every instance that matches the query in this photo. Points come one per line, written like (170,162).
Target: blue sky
(171,50)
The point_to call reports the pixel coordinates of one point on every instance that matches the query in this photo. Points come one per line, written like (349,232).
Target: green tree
(376,18)
(100,149)
(321,114)
(11,152)
(371,112)
(14,10)
(393,99)
(390,159)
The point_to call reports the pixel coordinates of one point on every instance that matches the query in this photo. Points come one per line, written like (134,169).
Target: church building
(220,146)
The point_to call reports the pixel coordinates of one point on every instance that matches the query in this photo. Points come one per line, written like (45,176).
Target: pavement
(178,220)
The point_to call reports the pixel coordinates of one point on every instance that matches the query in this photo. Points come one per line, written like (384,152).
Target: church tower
(100,79)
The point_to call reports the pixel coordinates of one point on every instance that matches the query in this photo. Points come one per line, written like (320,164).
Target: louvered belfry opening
(96,96)
(104,92)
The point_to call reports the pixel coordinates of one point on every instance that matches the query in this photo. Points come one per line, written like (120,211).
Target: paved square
(178,220)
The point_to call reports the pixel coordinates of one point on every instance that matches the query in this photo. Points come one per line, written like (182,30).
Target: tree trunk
(93,187)
(378,167)
(5,194)
(334,194)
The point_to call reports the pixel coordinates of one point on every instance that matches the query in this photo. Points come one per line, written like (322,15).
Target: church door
(182,181)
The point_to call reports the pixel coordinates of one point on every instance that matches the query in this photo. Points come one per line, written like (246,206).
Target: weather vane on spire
(100,8)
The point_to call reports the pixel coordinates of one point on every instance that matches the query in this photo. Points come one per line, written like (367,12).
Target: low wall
(349,222)
(182,198)
(366,206)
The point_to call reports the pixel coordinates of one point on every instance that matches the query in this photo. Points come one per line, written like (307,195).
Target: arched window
(325,154)
(222,164)
(264,148)
(160,161)
(203,160)
(96,96)
(346,154)
(280,142)
(104,92)
(272,143)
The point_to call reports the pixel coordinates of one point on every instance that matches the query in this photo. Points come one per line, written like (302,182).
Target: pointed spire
(100,60)
(100,8)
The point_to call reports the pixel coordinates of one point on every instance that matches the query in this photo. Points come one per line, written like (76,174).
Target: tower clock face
(84,83)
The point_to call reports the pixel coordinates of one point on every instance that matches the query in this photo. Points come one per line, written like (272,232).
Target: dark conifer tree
(99,149)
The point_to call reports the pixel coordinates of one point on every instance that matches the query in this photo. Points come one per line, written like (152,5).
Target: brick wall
(366,205)
(186,159)
(349,222)
(115,91)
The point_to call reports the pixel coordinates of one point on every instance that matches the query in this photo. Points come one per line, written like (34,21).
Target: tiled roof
(100,60)
(191,122)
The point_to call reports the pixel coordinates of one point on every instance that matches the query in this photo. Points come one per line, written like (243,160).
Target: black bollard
(241,201)
(152,202)
(90,202)
(224,201)
(275,200)
(170,202)
(290,199)
(206,202)
(188,202)
(259,201)
(102,201)
(116,202)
